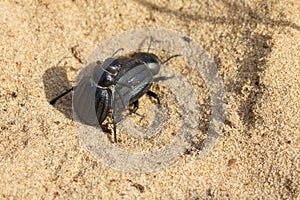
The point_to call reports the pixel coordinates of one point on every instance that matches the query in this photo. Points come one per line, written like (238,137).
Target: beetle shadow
(258,46)
(248,84)
(243,10)
(56,82)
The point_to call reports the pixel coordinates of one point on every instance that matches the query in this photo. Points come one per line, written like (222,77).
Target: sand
(256,47)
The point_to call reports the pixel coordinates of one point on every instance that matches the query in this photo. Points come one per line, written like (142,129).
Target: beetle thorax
(106,72)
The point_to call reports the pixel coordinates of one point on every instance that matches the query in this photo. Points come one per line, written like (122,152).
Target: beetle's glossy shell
(133,81)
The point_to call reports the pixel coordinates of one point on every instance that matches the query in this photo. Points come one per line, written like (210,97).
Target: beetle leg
(152,94)
(135,106)
(53,101)
(115,131)
(114,121)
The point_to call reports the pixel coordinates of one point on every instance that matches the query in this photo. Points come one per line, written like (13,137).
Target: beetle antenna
(170,58)
(149,44)
(53,101)
(121,49)
(162,78)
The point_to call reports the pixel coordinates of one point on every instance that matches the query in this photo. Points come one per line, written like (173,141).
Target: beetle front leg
(53,101)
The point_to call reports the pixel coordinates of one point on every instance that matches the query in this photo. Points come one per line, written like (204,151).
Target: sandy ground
(256,46)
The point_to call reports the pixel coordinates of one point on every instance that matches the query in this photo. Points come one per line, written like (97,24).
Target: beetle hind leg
(154,95)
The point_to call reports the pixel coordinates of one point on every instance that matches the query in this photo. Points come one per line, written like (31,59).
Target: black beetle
(114,84)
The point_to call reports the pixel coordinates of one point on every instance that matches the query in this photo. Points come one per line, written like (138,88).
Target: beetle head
(111,64)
